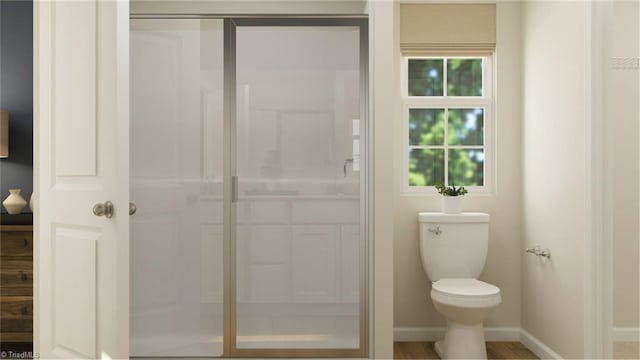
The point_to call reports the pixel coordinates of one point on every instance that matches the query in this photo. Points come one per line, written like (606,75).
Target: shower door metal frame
(230,311)
(229,144)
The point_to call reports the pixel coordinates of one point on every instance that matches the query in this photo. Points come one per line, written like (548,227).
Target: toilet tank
(453,245)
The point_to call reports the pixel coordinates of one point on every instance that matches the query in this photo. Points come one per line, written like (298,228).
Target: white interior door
(82,137)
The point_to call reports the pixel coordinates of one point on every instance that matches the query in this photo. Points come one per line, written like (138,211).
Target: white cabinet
(211,264)
(314,262)
(298,250)
(297,263)
(350,264)
(268,263)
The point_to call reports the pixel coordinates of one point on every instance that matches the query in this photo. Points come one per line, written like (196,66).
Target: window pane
(466,126)
(426,77)
(466,167)
(464,77)
(426,167)
(426,127)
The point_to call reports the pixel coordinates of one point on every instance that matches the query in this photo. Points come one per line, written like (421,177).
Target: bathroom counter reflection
(305,244)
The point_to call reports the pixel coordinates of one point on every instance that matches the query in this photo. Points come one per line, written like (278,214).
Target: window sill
(432,192)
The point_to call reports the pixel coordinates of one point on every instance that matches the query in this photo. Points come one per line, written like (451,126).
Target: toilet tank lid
(465,217)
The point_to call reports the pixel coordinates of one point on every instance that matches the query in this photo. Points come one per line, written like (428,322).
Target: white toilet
(453,248)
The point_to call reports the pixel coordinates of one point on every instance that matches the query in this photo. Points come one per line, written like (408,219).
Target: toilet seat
(465,293)
(465,287)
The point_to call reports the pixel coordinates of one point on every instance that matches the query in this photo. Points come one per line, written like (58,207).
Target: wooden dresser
(16,286)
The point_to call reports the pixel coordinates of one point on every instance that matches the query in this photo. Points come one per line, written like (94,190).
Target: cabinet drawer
(16,325)
(21,337)
(16,291)
(16,307)
(16,264)
(16,243)
(15,278)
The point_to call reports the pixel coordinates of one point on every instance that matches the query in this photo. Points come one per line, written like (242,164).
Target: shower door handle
(234,189)
(344,167)
(132,208)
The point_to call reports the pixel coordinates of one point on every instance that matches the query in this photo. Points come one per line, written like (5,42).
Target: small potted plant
(451,198)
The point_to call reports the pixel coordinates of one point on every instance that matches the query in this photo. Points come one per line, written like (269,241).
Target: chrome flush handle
(436,231)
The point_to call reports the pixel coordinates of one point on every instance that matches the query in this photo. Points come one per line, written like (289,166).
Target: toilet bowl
(453,248)
(465,303)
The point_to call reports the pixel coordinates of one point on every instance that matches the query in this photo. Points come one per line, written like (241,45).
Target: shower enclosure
(249,172)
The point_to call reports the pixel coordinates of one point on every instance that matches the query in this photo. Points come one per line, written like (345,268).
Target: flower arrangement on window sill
(451,190)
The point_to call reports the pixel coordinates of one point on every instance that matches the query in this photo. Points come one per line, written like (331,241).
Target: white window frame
(486,101)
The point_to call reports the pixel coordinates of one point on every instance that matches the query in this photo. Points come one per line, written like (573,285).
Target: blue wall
(16,95)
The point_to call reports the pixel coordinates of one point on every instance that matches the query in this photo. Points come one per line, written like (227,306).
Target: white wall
(413,307)
(553,133)
(383,106)
(625,126)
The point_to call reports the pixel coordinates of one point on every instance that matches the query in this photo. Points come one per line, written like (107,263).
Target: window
(447,105)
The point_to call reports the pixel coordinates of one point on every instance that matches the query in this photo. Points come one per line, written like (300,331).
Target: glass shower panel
(176,183)
(298,213)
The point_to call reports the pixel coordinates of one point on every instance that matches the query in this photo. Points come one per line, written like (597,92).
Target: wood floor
(495,350)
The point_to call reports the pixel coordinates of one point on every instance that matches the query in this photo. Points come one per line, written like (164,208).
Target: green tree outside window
(463,140)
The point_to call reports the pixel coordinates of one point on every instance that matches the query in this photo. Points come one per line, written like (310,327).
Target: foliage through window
(447,106)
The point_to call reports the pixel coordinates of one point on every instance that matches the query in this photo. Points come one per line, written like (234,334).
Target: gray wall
(16,95)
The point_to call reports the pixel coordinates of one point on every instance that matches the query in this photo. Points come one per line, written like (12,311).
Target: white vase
(14,203)
(452,204)
(33,194)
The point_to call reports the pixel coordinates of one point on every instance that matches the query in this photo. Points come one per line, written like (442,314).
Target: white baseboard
(435,334)
(502,334)
(490,334)
(537,346)
(626,334)
(505,334)
(417,334)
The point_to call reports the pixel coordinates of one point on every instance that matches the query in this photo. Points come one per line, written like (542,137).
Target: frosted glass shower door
(176,183)
(299,244)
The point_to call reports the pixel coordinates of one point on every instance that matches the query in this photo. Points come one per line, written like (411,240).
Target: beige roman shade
(441,29)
